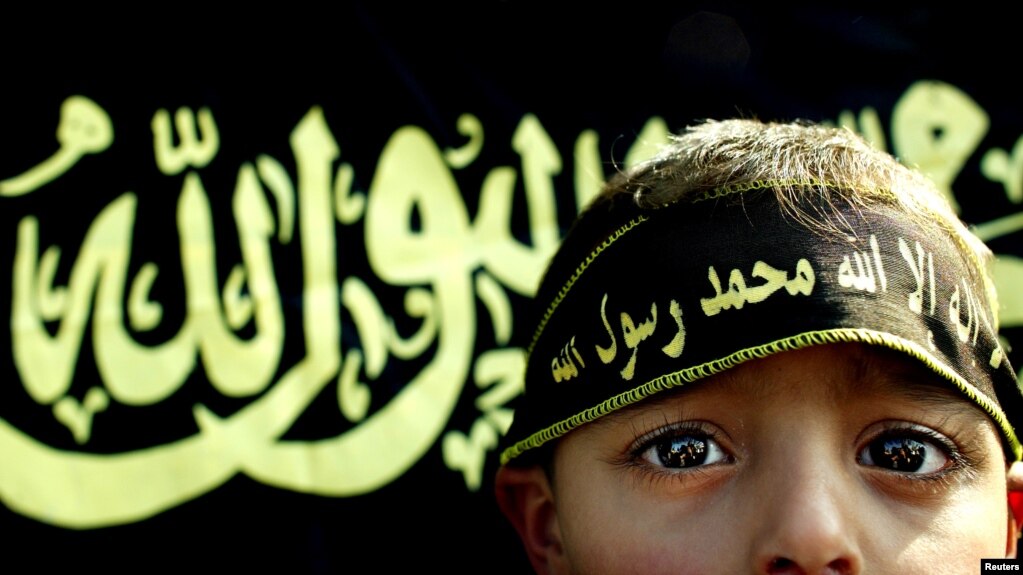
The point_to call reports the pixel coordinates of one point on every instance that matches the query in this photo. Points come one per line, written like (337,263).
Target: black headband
(679,293)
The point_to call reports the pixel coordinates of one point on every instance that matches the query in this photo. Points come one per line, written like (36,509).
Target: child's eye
(682,450)
(907,451)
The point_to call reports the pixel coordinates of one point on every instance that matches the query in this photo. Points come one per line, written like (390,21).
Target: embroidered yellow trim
(563,292)
(688,375)
(723,191)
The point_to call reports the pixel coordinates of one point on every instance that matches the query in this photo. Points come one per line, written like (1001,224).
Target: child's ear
(526,499)
(1014,482)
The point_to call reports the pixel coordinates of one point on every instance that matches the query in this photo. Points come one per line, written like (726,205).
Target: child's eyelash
(674,448)
(645,453)
(647,445)
(962,461)
(646,440)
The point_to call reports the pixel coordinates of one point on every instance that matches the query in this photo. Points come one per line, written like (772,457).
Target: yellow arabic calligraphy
(442,255)
(739,294)
(84,128)
(502,371)
(954,313)
(136,374)
(606,354)
(937,127)
(78,416)
(1006,168)
(192,150)
(918,267)
(863,278)
(633,335)
(563,367)
(674,348)
(126,487)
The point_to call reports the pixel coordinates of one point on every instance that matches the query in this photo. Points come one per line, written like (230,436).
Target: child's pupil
(684,451)
(901,454)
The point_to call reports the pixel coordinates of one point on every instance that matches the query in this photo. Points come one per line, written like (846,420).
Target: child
(772,349)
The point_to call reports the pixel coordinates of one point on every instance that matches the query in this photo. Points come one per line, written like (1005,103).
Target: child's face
(837,457)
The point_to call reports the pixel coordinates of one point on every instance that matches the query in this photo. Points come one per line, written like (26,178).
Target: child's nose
(807,522)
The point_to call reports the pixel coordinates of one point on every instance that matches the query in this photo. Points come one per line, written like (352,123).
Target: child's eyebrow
(929,390)
(886,373)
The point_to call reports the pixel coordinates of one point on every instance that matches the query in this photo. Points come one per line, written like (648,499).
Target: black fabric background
(374,69)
